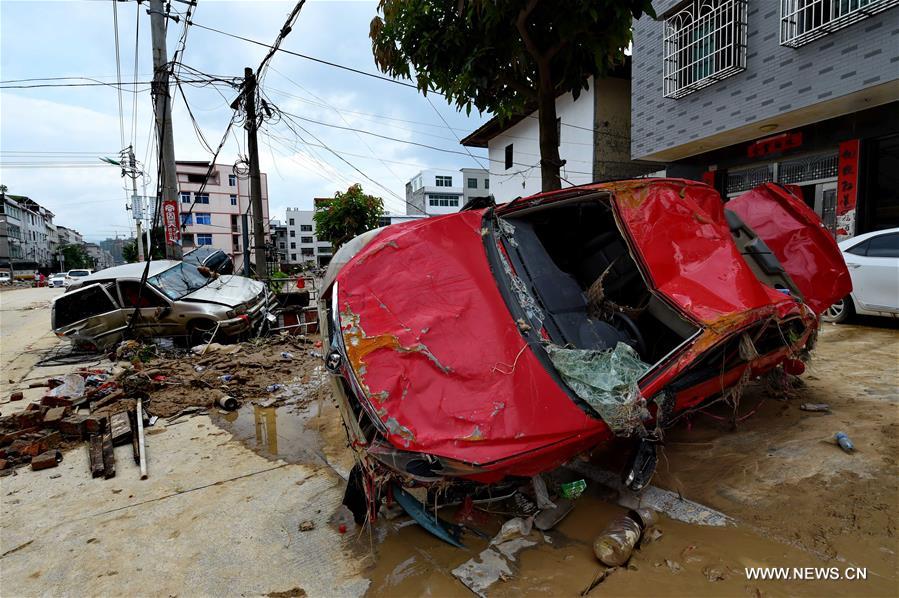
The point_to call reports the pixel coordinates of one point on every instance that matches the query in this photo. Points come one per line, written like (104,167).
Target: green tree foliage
(505,56)
(76,257)
(347,215)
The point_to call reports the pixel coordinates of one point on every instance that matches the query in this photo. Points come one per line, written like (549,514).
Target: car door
(89,316)
(874,267)
(796,236)
(153,309)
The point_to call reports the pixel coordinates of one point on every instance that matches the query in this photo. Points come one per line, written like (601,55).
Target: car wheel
(839,311)
(201,331)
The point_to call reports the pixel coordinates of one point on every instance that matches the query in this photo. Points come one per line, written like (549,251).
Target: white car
(57,280)
(5,278)
(873,262)
(75,275)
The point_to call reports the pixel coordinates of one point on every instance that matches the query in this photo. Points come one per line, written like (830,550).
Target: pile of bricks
(33,435)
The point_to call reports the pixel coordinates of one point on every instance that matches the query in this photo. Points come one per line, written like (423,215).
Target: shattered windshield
(179,281)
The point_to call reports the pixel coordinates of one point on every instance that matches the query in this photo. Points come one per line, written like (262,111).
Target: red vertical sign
(847,178)
(170,221)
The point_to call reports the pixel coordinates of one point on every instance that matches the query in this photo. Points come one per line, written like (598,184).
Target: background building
(28,236)
(801,92)
(475,183)
(434,191)
(303,246)
(278,232)
(214,216)
(594,141)
(114,248)
(100,257)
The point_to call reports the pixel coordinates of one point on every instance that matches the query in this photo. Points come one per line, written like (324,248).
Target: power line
(312,58)
(478,162)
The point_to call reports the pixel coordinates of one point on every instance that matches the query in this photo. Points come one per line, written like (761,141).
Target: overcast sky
(40,39)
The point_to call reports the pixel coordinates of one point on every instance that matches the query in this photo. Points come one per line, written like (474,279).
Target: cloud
(76,39)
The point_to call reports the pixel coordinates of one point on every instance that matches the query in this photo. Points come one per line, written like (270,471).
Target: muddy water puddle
(685,560)
(288,432)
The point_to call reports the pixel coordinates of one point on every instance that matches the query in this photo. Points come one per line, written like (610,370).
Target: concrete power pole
(163,107)
(255,177)
(137,205)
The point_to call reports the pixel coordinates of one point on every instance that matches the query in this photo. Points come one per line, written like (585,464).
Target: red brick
(28,419)
(16,396)
(3,464)
(94,425)
(56,401)
(46,460)
(54,416)
(9,437)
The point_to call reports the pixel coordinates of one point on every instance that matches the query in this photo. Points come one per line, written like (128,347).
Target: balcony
(804,21)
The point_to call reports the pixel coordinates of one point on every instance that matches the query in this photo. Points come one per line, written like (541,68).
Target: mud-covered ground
(798,500)
(218,519)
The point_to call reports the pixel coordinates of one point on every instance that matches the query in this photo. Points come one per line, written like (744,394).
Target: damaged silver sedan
(178,299)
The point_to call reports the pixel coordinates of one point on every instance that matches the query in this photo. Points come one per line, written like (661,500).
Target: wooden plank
(120,428)
(108,457)
(95,452)
(135,446)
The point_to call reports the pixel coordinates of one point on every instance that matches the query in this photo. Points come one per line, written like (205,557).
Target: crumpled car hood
(227,290)
(441,358)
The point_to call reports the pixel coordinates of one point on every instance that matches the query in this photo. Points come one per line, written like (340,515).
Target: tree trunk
(550,164)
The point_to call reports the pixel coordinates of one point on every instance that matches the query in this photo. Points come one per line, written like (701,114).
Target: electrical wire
(311,58)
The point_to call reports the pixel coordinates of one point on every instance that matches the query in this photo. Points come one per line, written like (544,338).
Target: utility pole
(163,106)
(255,177)
(137,205)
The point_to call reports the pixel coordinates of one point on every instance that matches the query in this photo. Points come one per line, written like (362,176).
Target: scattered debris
(307,526)
(46,460)
(823,407)
(844,442)
(613,547)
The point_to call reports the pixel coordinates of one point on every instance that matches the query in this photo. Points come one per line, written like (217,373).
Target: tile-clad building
(802,92)
(212,214)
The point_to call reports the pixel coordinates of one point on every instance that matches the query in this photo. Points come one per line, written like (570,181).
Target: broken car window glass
(179,281)
(607,381)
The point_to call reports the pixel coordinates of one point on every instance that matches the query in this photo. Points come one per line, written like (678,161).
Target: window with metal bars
(705,41)
(804,21)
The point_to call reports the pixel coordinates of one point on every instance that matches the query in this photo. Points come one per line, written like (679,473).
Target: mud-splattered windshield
(179,281)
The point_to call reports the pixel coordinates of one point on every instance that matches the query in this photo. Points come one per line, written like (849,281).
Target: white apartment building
(594,141)
(433,192)
(302,244)
(213,216)
(28,237)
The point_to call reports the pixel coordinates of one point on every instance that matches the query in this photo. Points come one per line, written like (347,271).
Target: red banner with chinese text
(171,221)
(847,177)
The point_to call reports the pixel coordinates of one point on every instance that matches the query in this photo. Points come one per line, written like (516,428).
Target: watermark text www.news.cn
(807,573)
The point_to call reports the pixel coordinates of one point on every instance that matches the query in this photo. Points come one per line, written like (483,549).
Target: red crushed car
(500,342)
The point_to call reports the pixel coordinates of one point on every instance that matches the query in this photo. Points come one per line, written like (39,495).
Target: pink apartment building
(213,216)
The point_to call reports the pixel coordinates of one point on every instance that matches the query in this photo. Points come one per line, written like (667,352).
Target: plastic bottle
(285,355)
(226,377)
(844,442)
(613,547)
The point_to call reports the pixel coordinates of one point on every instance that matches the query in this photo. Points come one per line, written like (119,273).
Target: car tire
(201,331)
(840,311)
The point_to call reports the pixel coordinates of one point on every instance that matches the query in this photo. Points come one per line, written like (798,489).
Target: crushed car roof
(135,270)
